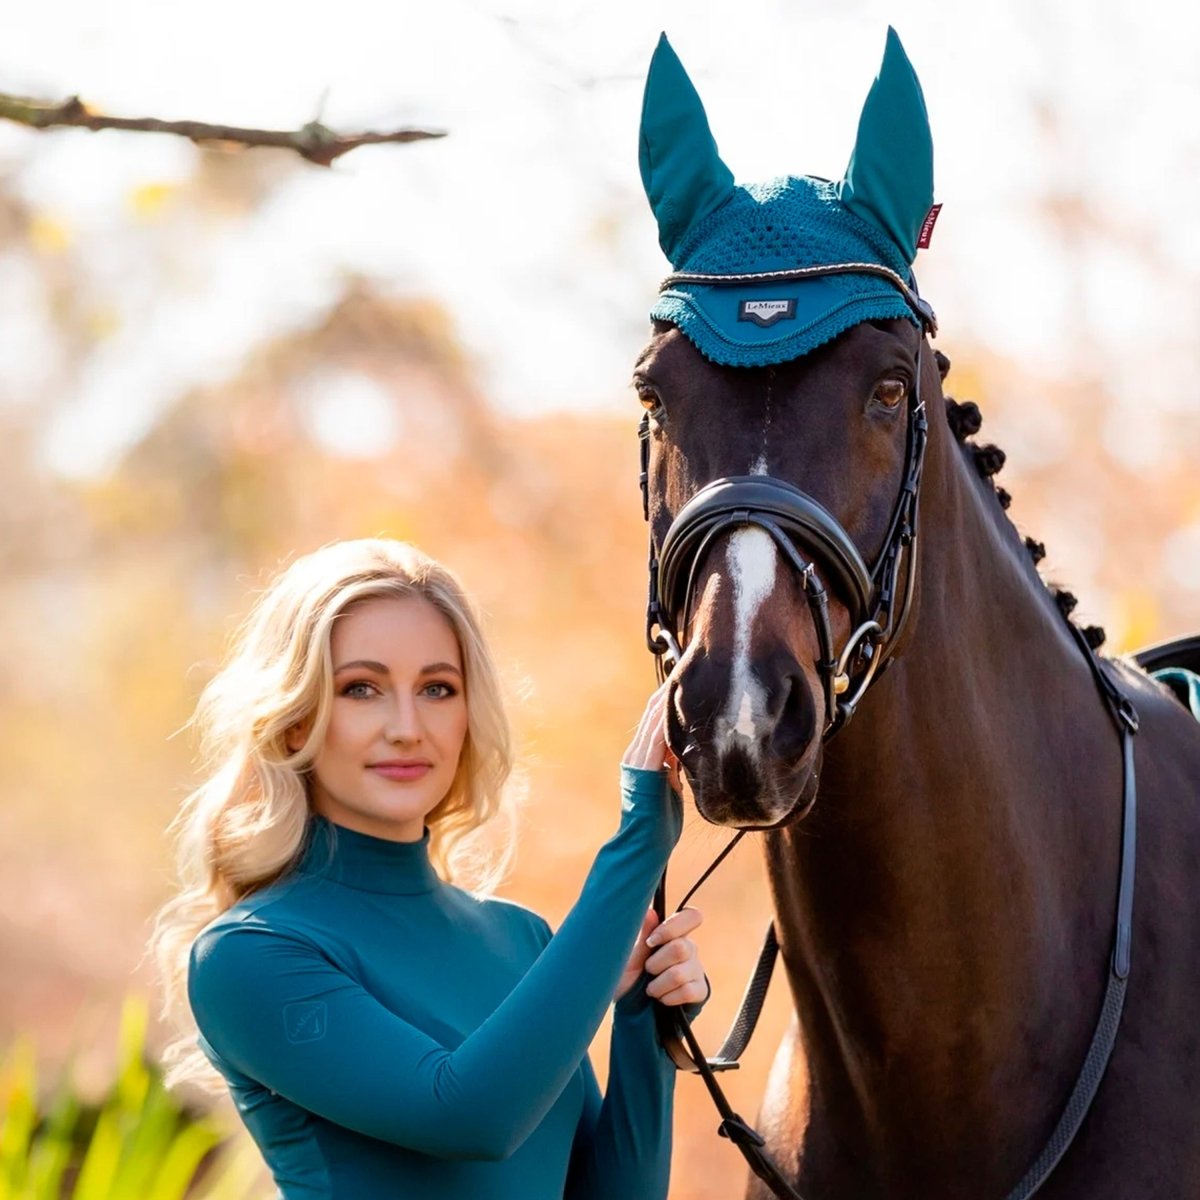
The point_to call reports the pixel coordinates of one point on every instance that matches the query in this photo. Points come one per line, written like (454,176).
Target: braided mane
(965,422)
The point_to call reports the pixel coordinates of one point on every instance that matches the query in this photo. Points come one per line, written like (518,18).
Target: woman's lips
(405,773)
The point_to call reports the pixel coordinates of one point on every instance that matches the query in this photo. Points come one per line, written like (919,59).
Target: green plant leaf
(179,1165)
(142,1143)
(149,1139)
(18,1096)
(133,1077)
(101,1158)
(54,1144)
(241,1172)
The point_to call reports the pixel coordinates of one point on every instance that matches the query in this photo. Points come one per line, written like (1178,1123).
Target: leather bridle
(798,524)
(795,521)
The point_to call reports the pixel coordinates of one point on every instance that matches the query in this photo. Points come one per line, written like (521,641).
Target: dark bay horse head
(786,384)
(819,522)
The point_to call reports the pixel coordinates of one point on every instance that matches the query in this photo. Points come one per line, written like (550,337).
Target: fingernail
(653,940)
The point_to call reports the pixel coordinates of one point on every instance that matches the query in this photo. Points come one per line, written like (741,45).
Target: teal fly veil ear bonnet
(708,225)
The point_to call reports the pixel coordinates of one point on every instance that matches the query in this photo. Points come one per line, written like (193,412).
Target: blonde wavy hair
(244,826)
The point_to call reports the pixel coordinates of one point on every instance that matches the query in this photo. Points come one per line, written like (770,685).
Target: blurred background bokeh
(212,360)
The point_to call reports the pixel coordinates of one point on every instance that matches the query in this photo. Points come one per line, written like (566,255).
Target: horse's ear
(682,172)
(890,177)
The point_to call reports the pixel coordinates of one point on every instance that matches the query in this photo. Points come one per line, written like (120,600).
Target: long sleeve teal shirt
(387,1036)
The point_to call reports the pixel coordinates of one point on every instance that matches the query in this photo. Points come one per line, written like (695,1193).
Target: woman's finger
(681,950)
(677,925)
(649,924)
(647,737)
(674,977)
(693,992)
(649,743)
(637,957)
(672,765)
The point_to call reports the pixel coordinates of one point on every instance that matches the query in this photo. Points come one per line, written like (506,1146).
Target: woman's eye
(441,691)
(358,689)
(891,392)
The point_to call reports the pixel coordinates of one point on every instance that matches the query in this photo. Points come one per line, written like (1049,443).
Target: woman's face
(398,721)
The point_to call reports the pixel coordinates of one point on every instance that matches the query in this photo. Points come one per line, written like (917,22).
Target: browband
(920,306)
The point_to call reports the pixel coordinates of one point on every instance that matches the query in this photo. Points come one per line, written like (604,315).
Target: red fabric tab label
(927,227)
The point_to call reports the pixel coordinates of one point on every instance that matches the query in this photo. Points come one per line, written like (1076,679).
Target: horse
(942,806)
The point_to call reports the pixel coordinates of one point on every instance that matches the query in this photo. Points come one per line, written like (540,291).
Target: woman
(383,1032)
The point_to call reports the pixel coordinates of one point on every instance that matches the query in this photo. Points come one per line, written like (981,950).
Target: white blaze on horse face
(752,560)
(760,465)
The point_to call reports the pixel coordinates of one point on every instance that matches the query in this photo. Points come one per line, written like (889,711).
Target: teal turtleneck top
(387,1036)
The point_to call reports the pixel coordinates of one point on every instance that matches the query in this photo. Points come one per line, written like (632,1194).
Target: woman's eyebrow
(371,665)
(437,667)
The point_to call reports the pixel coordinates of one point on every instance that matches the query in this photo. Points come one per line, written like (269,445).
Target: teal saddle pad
(1185,684)
(1176,664)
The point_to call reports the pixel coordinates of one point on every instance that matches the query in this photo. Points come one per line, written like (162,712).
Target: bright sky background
(528,222)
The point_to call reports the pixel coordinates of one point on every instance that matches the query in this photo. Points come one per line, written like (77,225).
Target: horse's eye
(891,392)
(651,401)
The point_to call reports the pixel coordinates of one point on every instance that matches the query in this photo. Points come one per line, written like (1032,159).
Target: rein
(790,516)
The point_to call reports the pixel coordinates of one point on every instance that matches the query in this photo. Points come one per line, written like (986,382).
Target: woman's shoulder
(273,912)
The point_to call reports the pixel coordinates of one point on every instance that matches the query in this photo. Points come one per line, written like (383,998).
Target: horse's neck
(945,912)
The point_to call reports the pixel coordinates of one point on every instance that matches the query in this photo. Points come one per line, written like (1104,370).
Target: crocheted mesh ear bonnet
(710,225)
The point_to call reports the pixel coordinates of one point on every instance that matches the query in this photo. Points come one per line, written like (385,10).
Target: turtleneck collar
(367,863)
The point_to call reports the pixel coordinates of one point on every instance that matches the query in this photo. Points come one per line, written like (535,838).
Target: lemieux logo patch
(926,234)
(305,1021)
(766,312)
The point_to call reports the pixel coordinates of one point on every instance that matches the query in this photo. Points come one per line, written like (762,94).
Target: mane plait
(965,421)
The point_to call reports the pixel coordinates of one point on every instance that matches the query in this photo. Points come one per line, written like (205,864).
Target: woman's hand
(649,750)
(666,952)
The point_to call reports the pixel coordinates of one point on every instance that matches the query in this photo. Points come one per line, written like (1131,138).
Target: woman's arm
(279,1012)
(623,1144)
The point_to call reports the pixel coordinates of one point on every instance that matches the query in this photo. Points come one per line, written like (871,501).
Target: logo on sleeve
(305,1021)
(766,312)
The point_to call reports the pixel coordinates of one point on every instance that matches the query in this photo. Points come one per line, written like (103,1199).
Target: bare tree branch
(312,141)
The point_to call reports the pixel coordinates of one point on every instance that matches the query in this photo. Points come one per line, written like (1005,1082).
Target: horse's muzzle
(753,761)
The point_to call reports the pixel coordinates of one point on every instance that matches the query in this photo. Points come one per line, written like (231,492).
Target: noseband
(798,525)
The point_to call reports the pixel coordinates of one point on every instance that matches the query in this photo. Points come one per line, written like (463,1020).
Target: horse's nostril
(796,726)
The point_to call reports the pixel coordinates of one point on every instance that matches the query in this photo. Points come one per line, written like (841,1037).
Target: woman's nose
(404,722)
